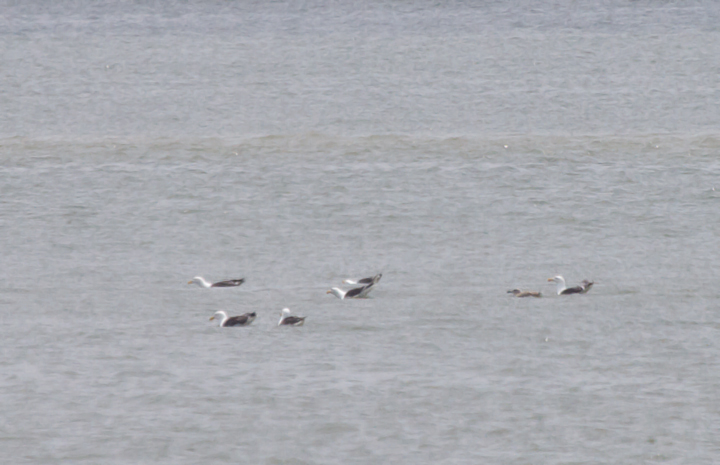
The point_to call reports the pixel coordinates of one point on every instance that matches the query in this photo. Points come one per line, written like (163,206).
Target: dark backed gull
(225,320)
(287,320)
(564,290)
(202,283)
(373,280)
(586,285)
(358,292)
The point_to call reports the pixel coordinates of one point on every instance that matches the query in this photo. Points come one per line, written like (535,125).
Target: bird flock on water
(365,285)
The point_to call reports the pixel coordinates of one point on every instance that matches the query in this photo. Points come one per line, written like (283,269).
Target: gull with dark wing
(200,281)
(371,280)
(358,292)
(287,320)
(586,285)
(225,320)
(562,289)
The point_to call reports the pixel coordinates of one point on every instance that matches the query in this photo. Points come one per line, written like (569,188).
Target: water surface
(460,150)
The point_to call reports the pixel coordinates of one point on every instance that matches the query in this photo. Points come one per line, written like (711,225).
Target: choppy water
(460,150)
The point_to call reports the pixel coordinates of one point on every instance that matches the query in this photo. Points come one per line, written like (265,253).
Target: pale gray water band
(462,151)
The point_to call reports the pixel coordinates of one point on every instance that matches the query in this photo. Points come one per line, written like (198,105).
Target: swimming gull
(287,320)
(225,320)
(373,280)
(562,289)
(358,292)
(200,281)
(519,293)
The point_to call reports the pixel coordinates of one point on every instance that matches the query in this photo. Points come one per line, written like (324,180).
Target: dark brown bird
(519,293)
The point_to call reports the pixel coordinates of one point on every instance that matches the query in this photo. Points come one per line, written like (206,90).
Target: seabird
(519,293)
(242,320)
(373,280)
(563,290)
(287,320)
(358,292)
(586,285)
(201,282)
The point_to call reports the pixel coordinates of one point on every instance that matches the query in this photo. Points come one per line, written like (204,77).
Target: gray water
(460,149)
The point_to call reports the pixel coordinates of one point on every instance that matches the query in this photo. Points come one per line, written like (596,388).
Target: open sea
(460,148)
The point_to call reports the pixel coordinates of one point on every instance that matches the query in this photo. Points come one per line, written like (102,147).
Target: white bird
(358,292)
(562,289)
(373,280)
(200,281)
(243,320)
(287,320)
